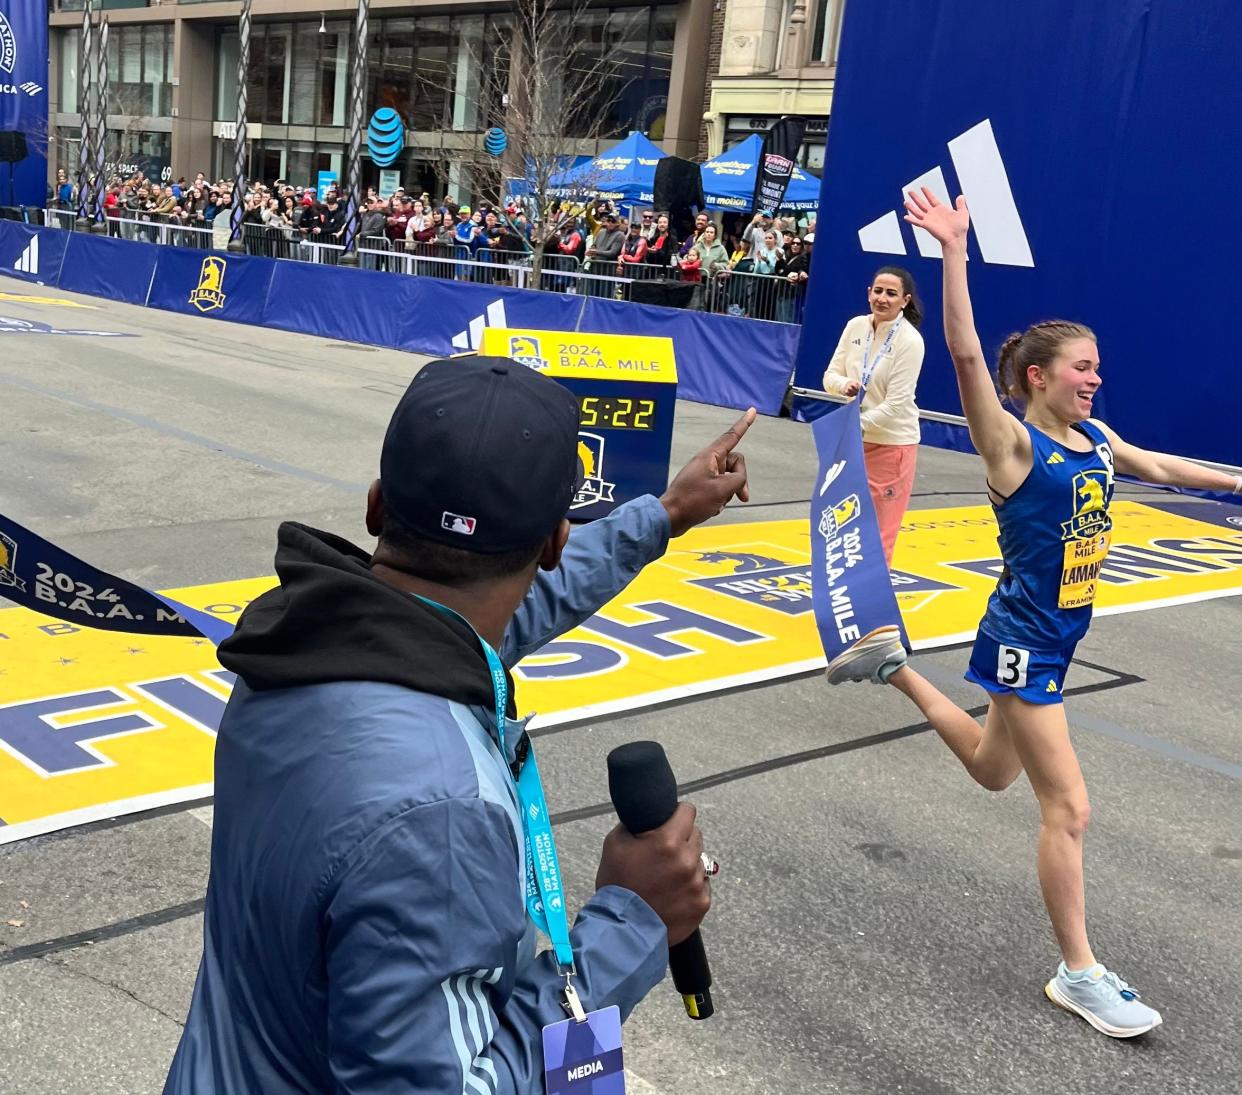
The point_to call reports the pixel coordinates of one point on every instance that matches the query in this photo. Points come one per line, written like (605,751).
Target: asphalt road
(877,927)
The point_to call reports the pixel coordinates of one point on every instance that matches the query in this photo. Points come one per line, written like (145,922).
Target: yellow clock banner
(94,724)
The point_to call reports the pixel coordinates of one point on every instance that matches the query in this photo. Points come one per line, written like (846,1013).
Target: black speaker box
(12,146)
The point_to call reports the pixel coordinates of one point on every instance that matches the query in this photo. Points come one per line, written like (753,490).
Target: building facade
(444,67)
(768,59)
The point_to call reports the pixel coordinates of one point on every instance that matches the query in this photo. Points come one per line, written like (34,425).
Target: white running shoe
(1104,1000)
(875,657)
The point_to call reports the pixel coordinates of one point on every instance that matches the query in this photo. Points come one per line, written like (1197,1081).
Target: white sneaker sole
(862,648)
(1062,1001)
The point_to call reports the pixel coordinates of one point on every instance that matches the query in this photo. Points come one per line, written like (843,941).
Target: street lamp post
(357,87)
(238,209)
(99,223)
(86,112)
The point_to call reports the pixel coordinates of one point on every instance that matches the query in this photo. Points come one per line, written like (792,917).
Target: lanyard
(869,368)
(545,892)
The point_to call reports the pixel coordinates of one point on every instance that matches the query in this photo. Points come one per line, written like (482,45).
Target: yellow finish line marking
(95,724)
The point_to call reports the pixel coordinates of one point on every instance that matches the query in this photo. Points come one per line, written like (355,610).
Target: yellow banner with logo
(95,724)
(646,358)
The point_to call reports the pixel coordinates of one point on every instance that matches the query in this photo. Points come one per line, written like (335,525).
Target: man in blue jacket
(366,925)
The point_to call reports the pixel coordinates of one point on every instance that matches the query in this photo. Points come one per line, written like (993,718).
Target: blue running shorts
(1037,676)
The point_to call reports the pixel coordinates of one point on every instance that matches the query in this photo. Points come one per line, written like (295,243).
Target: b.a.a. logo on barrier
(207,295)
(591,457)
(526,350)
(8,560)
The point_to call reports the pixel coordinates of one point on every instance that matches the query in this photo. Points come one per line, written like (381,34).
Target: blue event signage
(851,590)
(23,102)
(980,120)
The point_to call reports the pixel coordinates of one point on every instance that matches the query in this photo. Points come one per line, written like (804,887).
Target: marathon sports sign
(94,724)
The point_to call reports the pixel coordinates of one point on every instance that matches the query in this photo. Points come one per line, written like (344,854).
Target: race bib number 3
(1080,570)
(1011,666)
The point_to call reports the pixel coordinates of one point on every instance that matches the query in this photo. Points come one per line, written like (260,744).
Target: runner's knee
(1068,812)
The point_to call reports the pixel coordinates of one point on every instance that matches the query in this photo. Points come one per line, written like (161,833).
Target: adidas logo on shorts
(1052,686)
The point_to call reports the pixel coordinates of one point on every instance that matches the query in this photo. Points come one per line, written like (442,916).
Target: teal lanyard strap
(545,892)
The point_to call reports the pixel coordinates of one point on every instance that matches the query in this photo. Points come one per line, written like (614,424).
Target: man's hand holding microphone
(657,849)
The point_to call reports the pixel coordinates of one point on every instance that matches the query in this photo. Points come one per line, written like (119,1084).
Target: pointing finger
(729,439)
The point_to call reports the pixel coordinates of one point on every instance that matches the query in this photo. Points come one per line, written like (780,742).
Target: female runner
(1050,478)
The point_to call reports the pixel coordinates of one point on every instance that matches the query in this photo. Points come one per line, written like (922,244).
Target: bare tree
(552,93)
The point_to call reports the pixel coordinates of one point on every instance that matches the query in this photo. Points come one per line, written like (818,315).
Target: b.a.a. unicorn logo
(758,578)
(526,350)
(207,295)
(591,459)
(8,560)
(1092,491)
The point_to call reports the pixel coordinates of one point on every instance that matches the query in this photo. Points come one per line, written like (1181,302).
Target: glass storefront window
(69,46)
(226,76)
(433,46)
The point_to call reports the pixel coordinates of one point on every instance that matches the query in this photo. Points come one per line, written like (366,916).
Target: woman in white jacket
(880,355)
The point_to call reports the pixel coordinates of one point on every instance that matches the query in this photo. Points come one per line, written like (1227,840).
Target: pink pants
(890,478)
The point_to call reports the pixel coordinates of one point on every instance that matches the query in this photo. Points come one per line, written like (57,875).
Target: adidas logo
(28,261)
(31,88)
(472,337)
(993,215)
(1055,458)
(1052,686)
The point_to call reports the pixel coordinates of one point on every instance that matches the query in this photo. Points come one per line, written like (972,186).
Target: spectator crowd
(756,267)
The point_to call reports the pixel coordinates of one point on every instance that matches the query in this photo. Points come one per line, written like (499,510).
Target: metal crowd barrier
(170,233)
(730,292)
(756,296)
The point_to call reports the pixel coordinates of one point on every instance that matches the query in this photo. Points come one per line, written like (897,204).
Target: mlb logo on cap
(455,522)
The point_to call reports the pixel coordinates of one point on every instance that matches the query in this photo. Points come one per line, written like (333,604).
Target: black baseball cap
(481,454)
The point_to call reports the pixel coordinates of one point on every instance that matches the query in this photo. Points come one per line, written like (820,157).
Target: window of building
(826,40)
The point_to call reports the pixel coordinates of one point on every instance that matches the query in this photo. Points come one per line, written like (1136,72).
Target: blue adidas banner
(376,315)
(23,102)
(216,284)
(33,254)
(451,315)
(102,267)
(851,590)
(1097,192)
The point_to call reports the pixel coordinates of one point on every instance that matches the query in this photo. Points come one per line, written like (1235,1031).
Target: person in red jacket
(634,250)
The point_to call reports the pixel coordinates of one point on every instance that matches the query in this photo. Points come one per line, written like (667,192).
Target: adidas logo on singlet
(1056,458)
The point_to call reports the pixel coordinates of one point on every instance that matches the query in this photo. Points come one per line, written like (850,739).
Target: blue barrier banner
(32,254)
(452,315)
(1003,103)
(104,267)
(217,284)
(353,305)
(851,590)
(728,361)
(23,101)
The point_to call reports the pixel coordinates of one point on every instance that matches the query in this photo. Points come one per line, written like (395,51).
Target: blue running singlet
(1054,537)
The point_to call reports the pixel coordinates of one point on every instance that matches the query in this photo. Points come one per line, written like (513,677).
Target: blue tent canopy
(729,180)
(624,174)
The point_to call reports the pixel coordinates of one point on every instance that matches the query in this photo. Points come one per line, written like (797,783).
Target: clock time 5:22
(608,412)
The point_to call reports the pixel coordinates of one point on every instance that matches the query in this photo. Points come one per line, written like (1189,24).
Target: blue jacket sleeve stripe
(478,1073)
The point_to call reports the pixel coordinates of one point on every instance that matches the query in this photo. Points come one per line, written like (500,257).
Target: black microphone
(644,794)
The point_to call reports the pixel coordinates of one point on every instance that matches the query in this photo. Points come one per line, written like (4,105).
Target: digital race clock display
(612,412)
